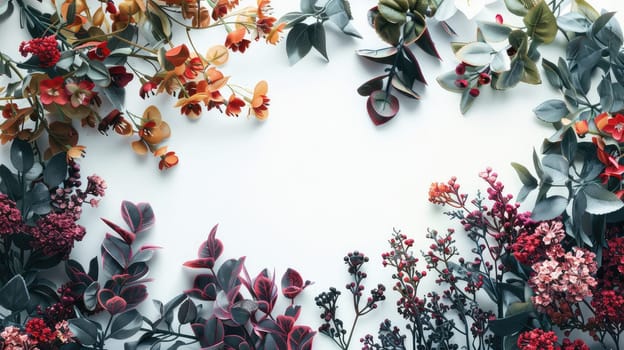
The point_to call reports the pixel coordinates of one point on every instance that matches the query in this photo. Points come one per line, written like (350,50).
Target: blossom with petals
(80,94)
(77,151)
(119,76)
(147,88)
(153,130)
(615,127)
(38,331)
(53,91)
(99,52)
(168,159)
(115,120)
(236,41)
(234,106)
(260,102)
(613,167)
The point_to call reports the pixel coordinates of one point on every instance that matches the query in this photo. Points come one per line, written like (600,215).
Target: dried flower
(55,234)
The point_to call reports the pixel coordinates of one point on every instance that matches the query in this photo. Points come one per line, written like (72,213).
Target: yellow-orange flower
(167,159)
(260,102)
(153,131)
(77,151)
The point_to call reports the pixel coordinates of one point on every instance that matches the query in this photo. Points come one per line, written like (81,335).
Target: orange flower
(153,131)
(236,41)
(601,120)
(76,152)
(581,127)
(167,159)
(234,106)
(260,102)
(274,35)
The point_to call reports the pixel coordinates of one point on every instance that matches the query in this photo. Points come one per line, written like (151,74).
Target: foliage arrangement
(82,56)
(40,205)
(524,283)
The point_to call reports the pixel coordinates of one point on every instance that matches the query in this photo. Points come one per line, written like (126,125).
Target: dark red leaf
(115,305)
(292,278)
(285,323)
(265,291)
(212,247)
(372,85)
(382,107)
(426,43)
(126,235)
(204,263)
(300,338)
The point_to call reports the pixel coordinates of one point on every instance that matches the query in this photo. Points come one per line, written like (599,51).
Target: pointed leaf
(372,85)
(22,156)
(316,35)
(298,43)
(55,170)
(385,55)
(212,247)
(14,294)
(551,111)
(541,23)
(126,325)
(382,107)
(549,208)
(600,200)
(139,217)
(475,54)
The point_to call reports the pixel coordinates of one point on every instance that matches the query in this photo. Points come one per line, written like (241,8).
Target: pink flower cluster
(55,234)
(564,276)
(530,248)
(537,339)
(10,216)
(36,333)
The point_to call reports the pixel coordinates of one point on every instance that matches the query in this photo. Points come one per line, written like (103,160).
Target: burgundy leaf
(134,295)
(412,67)
(115,305)
(291,292)
(293,311)
(292,278)
(126,235)
(265,291)
(285,323)
(382,107)
(300,338)
(426,43)
(139,217)
(270,327)
(202,263)
(212,247)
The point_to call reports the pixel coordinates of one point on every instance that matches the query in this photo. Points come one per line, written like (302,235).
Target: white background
(317,179)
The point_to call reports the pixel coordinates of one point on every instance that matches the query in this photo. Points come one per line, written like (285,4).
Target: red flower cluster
(537,339)
(45,49)
(10,216)
(55,234)
(38,331)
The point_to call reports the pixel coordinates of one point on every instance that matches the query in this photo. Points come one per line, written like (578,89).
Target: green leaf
(387,31)
(9,183)
(90,296)
(398,84)
(372,85)
(414,29)
(541,23)
(494,32)
(569,145)
(518,7)
(511,77)
(556,168)
(510,342)
(316,35)
(510,325)
(385,55)
(600,200)
(394,11)
(298,43)
(551,111)
(552,74)
(466,101)
(22,156)
(476,54)
(447,81)
(85,330)
(98,73)
(573,22)
(56,170)
(524,175)
(14,294)
(531,73)
(549,208)
(582,7)
(126,324)
(292,18)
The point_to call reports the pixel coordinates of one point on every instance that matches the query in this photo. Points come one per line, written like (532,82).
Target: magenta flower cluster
(10,216)
(55,234)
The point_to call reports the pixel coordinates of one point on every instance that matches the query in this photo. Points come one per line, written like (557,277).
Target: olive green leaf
(541,23)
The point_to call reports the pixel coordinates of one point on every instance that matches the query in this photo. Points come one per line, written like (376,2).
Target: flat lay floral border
(549,278)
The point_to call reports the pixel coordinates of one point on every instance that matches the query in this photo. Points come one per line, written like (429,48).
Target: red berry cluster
(45,49)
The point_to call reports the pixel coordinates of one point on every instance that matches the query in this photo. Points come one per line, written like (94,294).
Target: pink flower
(81,93)
(52,91)
(55,234)
(10,216)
